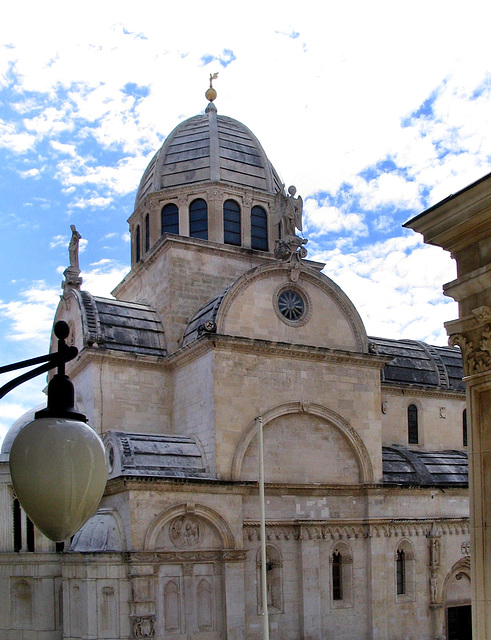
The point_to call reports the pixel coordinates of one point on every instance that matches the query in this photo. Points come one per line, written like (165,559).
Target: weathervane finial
(211,94)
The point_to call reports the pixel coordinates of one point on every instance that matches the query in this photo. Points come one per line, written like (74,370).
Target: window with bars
(138,244)
(259,229)
(198,219)
(412,424)
(231,223)
(400,572)
(337,576)
(169,219)
(147,232)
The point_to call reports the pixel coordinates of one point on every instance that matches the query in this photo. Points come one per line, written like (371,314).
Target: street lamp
(57,461)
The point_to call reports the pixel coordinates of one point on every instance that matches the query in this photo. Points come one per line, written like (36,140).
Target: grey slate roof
(213,148)
(204,320)
(123,326)
(420,364)
(403,466)
(155,455)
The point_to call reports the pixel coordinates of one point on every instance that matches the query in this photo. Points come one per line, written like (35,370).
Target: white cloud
(388,189)
(396,286)
(325,219)
(31,314)
(94,203)
(103,277)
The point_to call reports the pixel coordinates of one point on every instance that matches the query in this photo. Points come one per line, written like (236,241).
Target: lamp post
(57,461)
(264,586)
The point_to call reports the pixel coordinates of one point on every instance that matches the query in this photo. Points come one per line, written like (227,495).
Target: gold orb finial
(211,94)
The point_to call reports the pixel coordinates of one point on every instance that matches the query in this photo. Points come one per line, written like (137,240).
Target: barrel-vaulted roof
(420,364)
(209,148)
(405,466)
(122,326)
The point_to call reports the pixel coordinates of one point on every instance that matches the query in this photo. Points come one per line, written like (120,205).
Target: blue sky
(374,111)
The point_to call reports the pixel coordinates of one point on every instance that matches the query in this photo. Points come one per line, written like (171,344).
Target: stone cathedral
(221,319)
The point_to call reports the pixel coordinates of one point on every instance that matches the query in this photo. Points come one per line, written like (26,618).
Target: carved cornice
(169,557)
(353,529)
(428,392)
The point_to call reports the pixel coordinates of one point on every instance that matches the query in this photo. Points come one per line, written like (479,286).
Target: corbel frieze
(345,531)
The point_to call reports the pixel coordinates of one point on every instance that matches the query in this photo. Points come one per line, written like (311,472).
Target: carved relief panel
(188,532)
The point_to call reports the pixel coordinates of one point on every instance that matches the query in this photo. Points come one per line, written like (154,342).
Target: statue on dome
(72,273)
(73,248)
(288,214)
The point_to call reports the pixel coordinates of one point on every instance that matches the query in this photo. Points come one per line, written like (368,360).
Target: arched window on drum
(231,223)
(138,244)
(198,219)
(169,219)
(259,229)
(147,233)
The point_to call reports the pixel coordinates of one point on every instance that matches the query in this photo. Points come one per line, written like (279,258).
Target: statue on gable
(288,214)
(72,273)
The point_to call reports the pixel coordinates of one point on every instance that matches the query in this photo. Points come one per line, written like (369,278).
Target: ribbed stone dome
(209,148)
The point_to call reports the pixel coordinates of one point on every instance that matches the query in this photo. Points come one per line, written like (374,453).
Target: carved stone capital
(475,359)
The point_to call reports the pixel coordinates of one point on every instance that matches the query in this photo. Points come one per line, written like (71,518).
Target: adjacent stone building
(221,319)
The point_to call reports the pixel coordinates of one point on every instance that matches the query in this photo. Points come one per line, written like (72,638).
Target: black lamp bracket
(60,388)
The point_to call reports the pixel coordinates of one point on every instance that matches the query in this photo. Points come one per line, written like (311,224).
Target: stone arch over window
(412,424)
(355,442)
(341,575)
(274,580)
(259,229)
(404,570)
(232,223)
(147,233)
(198,219)
(191,515)
(169,219)
(137,243)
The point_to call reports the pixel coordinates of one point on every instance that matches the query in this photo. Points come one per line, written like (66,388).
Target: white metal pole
(264,586)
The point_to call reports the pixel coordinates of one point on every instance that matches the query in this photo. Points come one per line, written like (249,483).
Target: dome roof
(209,148)
(17,426)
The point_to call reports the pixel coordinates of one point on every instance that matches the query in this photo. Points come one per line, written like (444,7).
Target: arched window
(337,577)
(404,571)
(412,424)
(198,219)
(274,580)
(138,244)
(464,427)
(400,572)
(341,565)
(17,526)
(169,219)
(259,229)
(231,223)
(147,232)
(30,535)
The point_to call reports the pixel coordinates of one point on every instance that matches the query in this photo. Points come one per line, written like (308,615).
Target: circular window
(110,458)
(292,305)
